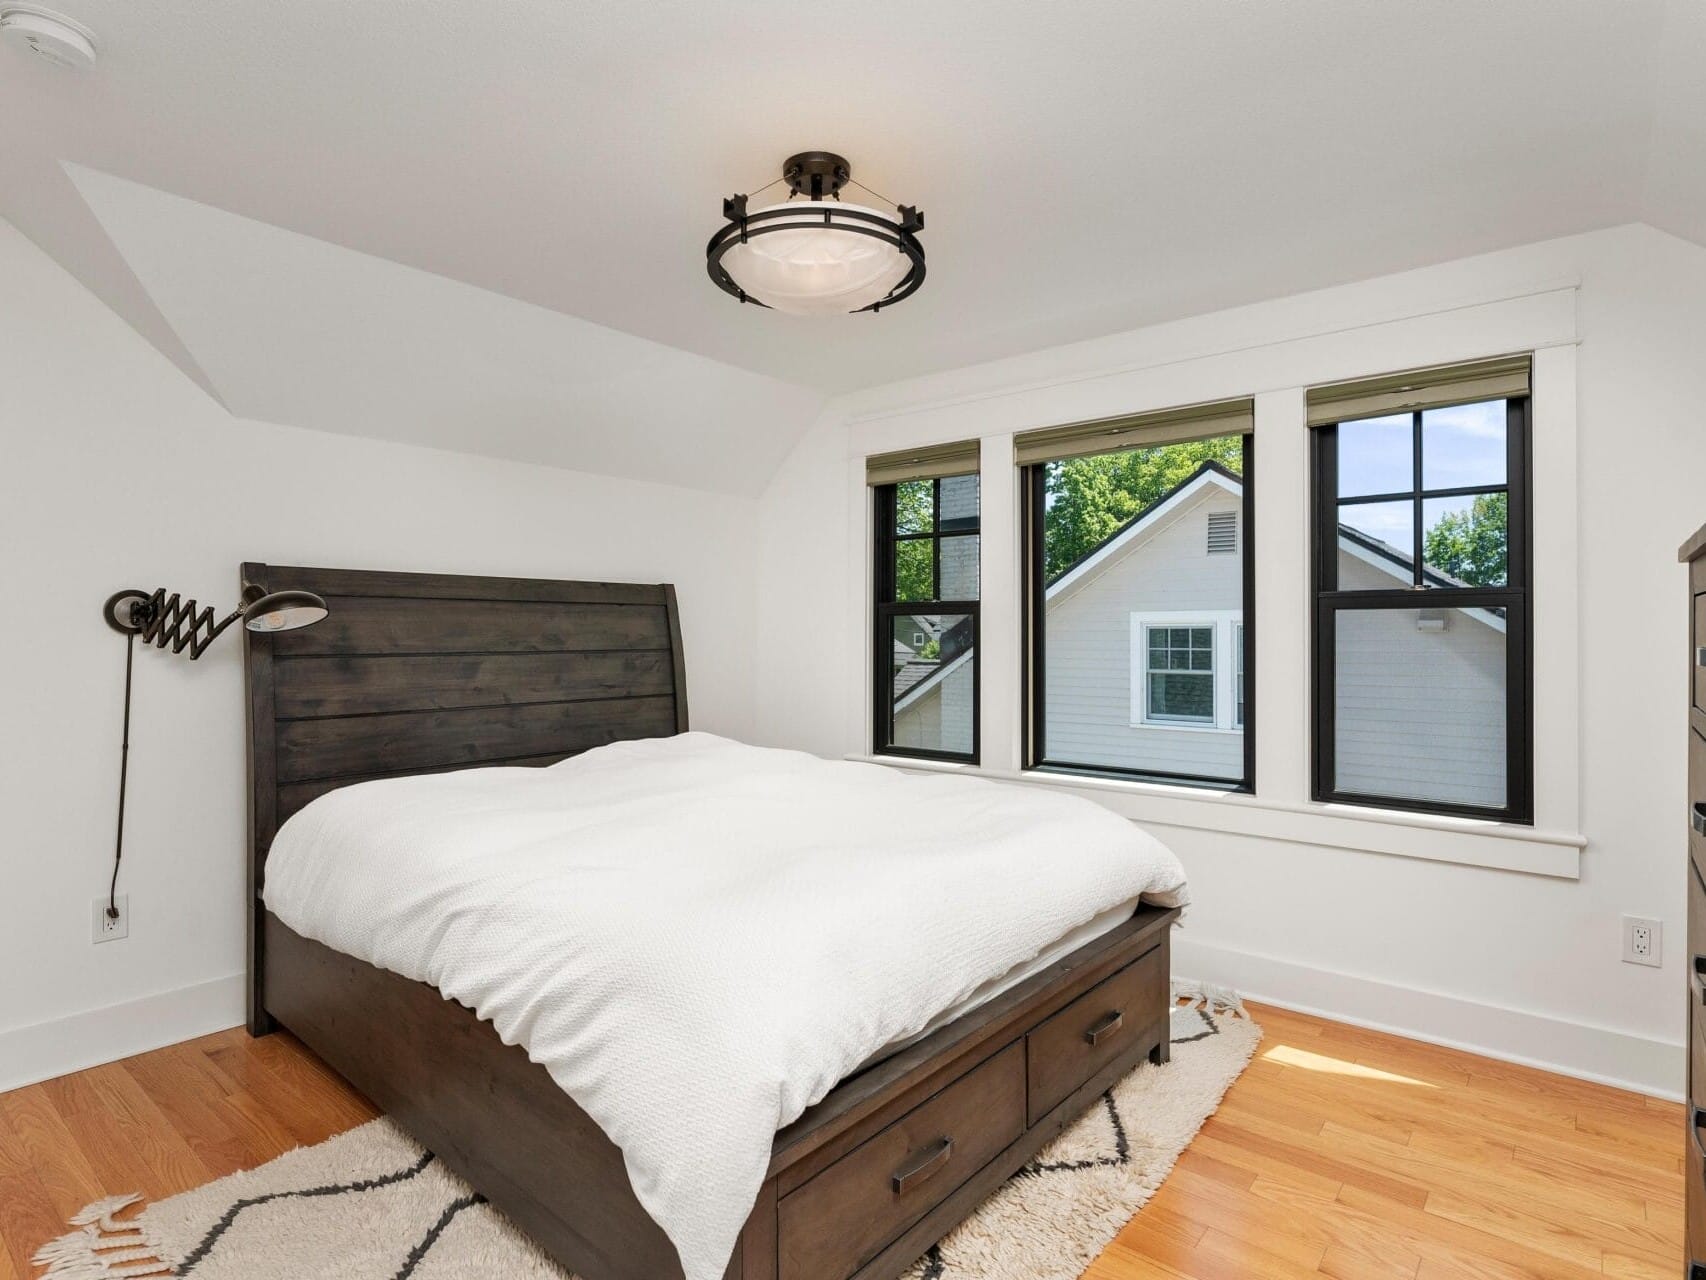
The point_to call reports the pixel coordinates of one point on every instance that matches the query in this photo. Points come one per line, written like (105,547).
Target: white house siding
(940,718)
(1421,714)
(959,555)
(1088,649)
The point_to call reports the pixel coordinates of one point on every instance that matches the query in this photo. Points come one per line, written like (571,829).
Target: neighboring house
(1160,686)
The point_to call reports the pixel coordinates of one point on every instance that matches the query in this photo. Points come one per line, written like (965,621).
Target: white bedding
(699,939)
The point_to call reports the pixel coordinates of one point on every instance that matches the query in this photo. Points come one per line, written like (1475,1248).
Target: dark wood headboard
(419,673)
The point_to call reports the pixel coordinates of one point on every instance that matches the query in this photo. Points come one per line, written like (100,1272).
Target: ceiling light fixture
(817,256)
(50,36)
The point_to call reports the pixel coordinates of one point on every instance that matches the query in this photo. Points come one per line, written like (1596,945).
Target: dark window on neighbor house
(925,647)
(1422,609)
(1139,583)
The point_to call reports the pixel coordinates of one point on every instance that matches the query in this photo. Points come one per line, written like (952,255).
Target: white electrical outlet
(1642,941)
(107,929)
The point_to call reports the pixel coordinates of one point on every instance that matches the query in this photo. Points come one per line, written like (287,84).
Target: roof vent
(52,37)
(1222,532)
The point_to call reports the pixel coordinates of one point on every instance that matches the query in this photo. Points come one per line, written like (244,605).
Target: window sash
(886,608)
(1036,755)
(1328,504)
(1513,597)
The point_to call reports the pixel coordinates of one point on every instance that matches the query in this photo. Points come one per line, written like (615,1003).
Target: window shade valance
(1135,431)
(931,462)
(1499,378)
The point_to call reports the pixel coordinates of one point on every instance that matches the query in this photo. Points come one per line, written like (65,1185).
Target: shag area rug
(371,1205)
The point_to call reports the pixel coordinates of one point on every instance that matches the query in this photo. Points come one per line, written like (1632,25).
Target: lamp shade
(284,611)
(813,260)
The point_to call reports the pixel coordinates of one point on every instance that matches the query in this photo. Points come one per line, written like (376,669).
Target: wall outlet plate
(1643,941)
(105,928)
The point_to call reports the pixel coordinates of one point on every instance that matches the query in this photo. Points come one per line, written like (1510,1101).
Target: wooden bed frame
(414,673)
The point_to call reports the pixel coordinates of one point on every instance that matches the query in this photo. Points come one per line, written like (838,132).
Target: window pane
(1421,705)
(959,564)
(1377,455)
(1177,695)
(1465,540)
(915,570)
(915,506)
(1464,446)
(959,504)
(1137,610)
(932,682)
(1377,545)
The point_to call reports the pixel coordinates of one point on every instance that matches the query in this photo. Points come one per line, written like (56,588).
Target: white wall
(1310,906)
(117,471)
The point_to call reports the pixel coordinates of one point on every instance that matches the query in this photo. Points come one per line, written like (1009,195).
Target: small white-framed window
(1187,670)
(1178,674)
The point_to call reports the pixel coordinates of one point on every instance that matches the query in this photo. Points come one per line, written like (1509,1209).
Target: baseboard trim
(1601,1054)
(1604,1055)
(44,1050)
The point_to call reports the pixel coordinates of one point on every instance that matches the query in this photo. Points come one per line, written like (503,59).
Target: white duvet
(699,939)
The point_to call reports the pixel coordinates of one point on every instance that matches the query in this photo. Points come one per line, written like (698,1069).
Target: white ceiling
(363,196)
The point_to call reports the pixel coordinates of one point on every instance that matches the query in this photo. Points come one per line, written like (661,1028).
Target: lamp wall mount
(171,621)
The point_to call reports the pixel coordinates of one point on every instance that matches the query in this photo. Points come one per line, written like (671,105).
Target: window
(1138,587)
(1179,674)
(926,606)
(1422,661)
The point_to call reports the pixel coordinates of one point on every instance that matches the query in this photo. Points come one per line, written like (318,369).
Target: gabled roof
(1121,539)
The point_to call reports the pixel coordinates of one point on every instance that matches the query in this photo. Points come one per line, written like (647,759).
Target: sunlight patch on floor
(1286,1056)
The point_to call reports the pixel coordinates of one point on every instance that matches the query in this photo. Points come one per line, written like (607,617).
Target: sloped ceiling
(481,226)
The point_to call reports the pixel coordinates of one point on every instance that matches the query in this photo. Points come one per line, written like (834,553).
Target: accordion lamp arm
(171,621)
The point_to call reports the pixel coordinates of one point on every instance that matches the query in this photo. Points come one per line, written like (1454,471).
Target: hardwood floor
(1340,1152)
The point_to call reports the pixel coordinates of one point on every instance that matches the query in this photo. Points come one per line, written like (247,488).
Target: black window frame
(1033,485)
(1515,598)
(886,608)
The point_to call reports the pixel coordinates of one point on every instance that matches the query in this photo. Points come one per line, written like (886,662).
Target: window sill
(1180,726)
(1471,842)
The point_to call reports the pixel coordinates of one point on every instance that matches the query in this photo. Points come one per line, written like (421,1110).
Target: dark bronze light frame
(818,176)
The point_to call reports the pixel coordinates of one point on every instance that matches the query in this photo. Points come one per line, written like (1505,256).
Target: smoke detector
(50,36)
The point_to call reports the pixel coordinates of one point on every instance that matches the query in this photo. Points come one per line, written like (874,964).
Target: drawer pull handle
(940,1153)
(1697,979)
(1697,818)
(1105,1028)
(1700,656)
(1697,1117)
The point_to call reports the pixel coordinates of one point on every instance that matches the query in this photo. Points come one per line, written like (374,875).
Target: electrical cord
(123,773)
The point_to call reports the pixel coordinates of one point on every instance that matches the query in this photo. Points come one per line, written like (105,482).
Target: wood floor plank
(1341,1152)
(28,1220)
(48,1147)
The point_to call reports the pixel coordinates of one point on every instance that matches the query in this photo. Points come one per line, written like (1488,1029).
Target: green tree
(1088,500)
(1472,546)
(914,568)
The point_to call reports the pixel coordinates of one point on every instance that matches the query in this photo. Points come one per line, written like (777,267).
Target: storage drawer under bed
(1092,1031)
(845,1215)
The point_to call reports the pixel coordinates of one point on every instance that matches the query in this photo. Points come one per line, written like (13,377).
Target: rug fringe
(1197,995)
(102,1248)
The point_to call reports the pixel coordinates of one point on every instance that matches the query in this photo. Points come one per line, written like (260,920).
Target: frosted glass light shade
(816,269)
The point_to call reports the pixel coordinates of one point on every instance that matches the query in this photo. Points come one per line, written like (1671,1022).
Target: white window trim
(1276,361)
(1222,622)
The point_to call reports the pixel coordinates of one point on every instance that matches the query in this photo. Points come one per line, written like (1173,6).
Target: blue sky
(1461,445)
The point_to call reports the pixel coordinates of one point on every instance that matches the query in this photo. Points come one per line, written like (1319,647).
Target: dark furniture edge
(1695,545)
